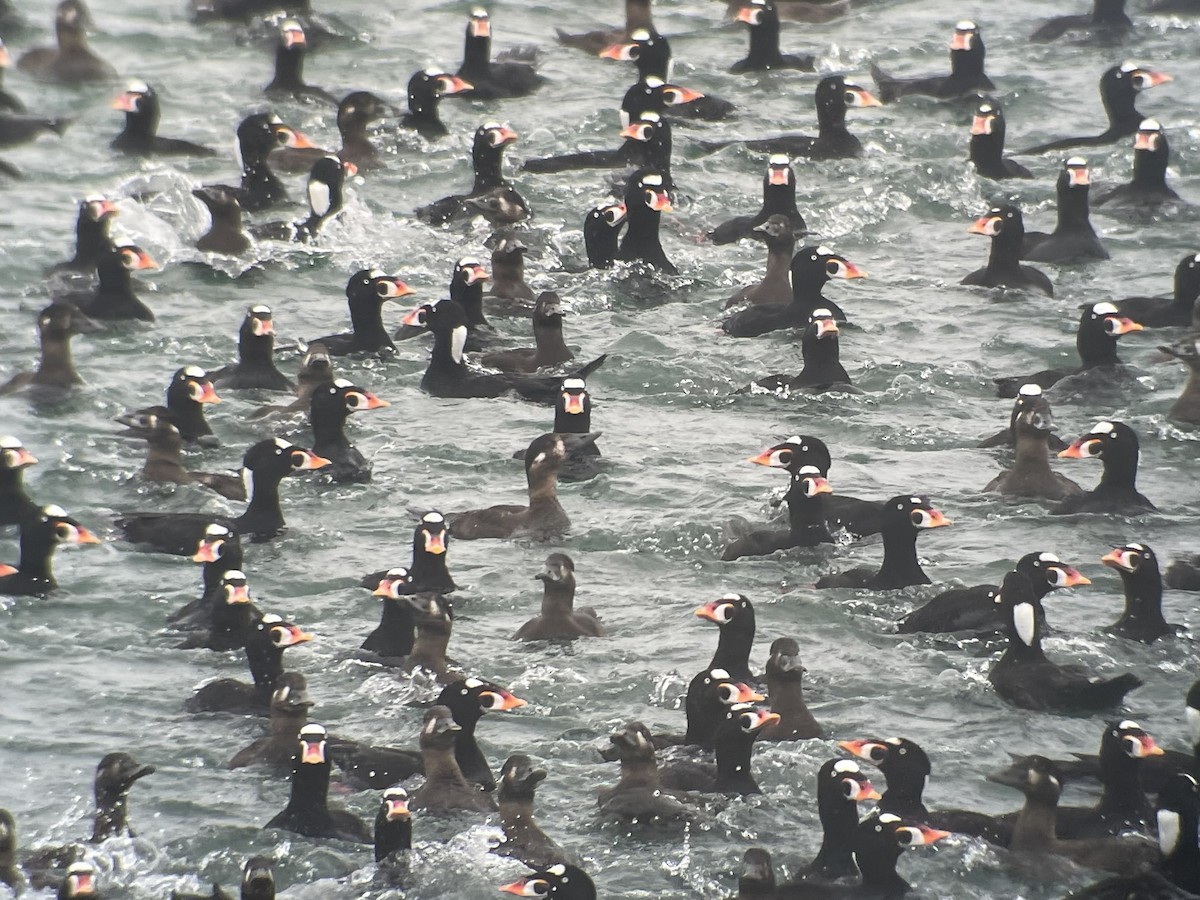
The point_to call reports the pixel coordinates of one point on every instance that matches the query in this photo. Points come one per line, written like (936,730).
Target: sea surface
(91,669)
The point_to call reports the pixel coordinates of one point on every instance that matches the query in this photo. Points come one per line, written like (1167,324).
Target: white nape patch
(261,310)
(137,87)
(1150,125)
(195,372)
(889,818)
(1196,258)
(719,674)
(652,179)
(319,197)
(1192,716)
(271,619)
(1129,66)
(809,470)
(282,444)
(342,383)
(8,442)
(1168,831)
(1101,428)
(842,766)
(432,517)
(1054,781)
(1049,557)
(248,484)
(625,119)
(473,683)
(313,729)
(1025,621)
(965,25)
(458,340)
(1076,161)
(215,529)
(52,510)
(1030,390)
(824,251)
(779,160)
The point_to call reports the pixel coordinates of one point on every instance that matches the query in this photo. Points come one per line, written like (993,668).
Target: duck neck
(1034,829)
(900,563)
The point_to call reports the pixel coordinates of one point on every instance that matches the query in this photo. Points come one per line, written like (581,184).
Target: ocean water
(90,669)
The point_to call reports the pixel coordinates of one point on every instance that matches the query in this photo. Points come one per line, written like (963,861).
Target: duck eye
(832,267)
(353,401)
(297,459)
(785,456)
(849,788)
(62,531)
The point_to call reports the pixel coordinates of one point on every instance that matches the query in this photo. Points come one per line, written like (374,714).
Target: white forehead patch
(1030,390)
(234,575)
(194,372)
(653,81)
(57,511)
(473,683)
(313,729)
(1150,125)
(282,444)
(8,442)
(779,160)
(1101,428)
(1104,309)
(965,25)
(271,619)
(342,383)
(1048,557)
(842,766)
(1127,724)
(719,673)
(137,87)
(1139,547)
(889,818)
(1076,162)
(215,529)
(1129,66)
(573,384)
(652,179)
(433,517)
(824,251)
(260,310)
(640,34)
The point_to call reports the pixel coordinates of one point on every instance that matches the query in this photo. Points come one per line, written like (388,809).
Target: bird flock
(667,786)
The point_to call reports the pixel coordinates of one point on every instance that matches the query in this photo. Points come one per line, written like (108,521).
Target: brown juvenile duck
(776,283)
(551,349)
(784,676)
(523,837)
(164,456)
(1031,475)
(55,373)
(289,714)
(72,61)
(559,619)
(446,789)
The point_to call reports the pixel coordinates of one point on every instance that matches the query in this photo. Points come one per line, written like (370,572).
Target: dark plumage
(967,55)
(637,15)
(1107,21)
(1148,191)
(366,292)
(1006,228)
(425,91)
(904,518)
(113,297)
(733,614)
(257,135)
(326,181)
(1186,408)
(650,52)
(1027,678)
(92,234)
(1116,444)
(509,294)
(1119,87)
(841,786)
(1142,619)
(646,199)
(779,199)
(427,571)
(602,234)
(393,833)
(823,370)
(776,284)
(1073,238)
(638,794)
(268,637)
(255,367)
(468,699)
(523,837)
(188,392)
(1031,476)
(225,234)
(1179,310)
(493,79)
(1100,325)
(72,61)
(785,675)
(15,504)
(550,350)
(445,790)
(987,144)
(140,136)
(115,776)
(288,80)
(290,704)
(164,456)
(560,882)
(812,268)
(647,144)
(762,18)
(558,618)
(308,812)
(42,530)
(491,195)
(331,406)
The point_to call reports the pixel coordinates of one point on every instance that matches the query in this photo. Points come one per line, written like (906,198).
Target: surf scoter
(425,91)
(113,296)
(72,61)
(647,144)
(573,415)
(784,675)
(1073,238)
(808,519)
(650,52)
(140,136)
(523,837)
(393,832)
(812,268)
(366,292)
(904,518)
(978,608)
(331,405)
(637,15)
(19,129)
(219,551)
(263,467)
(733,614)
(654,95)
(233,617)
(1027,678)
(1027,395)
(775,287)
(164,456)
(1100,325)
(1119,87)
(468,699)
(638,795)
(509,294)
(646,199)
(487,155)
(561,882)
(1155,312)
(967,55)
(15,504)
(763,20)
(445,789)
(189,390)
(559,619)
(257,135)
(602,233)
(93,226)
(427,571)
(544,518)
(1117,446)
(1031,475)
(1142,618)
(1186,408)
(841,786)
(324,191)
(833,140)
(779,199)
(290,705)
(226,234)
(1006,227)
(42,530)
(1107,21)
(550,350)
(355,112)
(266,640)
(987,144)
(288,80)
(308,812)
(733,744)
(448,376)
(505,76)
(1148,190)
(823,370)
(255,367)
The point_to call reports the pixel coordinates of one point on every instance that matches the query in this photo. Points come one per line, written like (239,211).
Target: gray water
(90,669)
